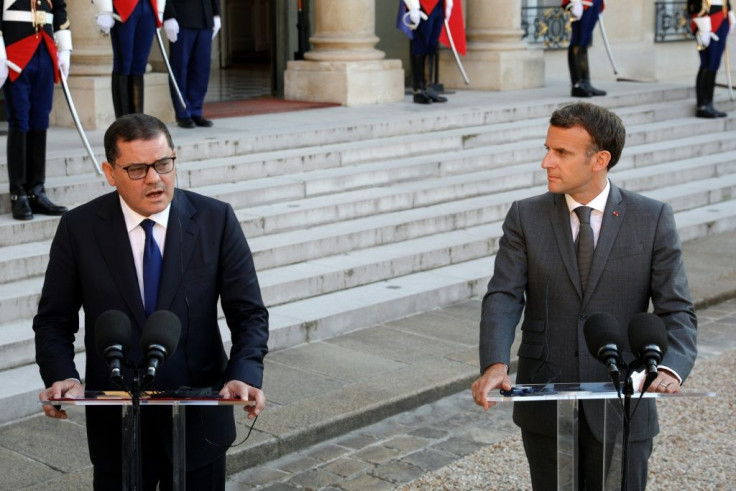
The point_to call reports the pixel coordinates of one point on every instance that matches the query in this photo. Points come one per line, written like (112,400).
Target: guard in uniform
(190,26)
(585,15)
(424,28)
(35,48)
(712,20)
(131,25)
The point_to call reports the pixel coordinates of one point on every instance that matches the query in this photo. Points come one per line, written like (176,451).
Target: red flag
(457,27)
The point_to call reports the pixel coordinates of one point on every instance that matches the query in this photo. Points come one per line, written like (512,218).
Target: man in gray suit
(637,259)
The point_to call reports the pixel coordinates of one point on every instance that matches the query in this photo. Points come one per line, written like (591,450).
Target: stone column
(89,76)
(497,59)
(343,65)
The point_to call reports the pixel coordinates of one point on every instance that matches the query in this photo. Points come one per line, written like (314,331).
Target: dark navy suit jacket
(206,258)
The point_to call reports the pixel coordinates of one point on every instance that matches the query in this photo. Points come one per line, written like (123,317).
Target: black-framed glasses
(139,171)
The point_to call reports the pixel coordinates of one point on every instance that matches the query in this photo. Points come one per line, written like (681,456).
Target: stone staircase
(365,216)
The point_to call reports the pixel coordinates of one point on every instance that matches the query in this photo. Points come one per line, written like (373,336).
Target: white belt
(41,17)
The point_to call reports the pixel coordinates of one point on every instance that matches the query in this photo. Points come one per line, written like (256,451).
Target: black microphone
(112,339)
(159,339)
(605,342)
(648,342)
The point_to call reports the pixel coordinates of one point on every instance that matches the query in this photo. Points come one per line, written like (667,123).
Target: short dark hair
(133,127)
(604,127)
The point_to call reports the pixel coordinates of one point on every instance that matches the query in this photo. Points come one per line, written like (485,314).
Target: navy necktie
(585,243)
(152,261)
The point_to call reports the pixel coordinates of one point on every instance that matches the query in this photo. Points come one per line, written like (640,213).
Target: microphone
(112,338)
(604,341)
(648,342)
(159,340)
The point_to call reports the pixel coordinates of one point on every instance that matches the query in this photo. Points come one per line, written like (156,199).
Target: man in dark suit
(190,26)
(637,259)
(97,262)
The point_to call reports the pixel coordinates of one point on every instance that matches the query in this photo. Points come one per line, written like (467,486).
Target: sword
(728,75)
(168,68)
(608,46)
(78,123)
(454,52)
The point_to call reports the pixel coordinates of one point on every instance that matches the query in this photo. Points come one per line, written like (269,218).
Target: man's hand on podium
(235,389)
(70,388)
(496,376)
(665,382)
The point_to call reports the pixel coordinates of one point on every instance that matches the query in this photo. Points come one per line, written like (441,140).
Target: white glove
(576,9)
(414,17)
(704,33)
(3,65)
(171,26)
(448,9)
(731,20)
(217,24)
(64,57)
(105,22)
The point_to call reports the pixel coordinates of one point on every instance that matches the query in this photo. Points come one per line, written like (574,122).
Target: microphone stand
(628,392)
(132,472)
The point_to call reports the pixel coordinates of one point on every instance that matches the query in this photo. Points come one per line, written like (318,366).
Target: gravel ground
(695,450)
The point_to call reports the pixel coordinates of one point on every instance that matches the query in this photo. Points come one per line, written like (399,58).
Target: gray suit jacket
(637,260)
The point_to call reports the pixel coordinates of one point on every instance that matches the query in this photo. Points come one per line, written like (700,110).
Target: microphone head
(112,328)
(647,329)
(602,329)
(162,328)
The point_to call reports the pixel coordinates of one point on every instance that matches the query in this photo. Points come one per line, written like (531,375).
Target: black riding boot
(120,98)
(16,151)
(573,63)
(136,93)
(36,158)
(585,72)
(419,82)
(704,95)
(430,88)
(712,88)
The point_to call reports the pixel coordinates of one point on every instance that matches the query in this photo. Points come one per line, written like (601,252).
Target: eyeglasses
(139,171)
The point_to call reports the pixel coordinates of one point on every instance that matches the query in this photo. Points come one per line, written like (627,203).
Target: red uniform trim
(21,52)
(125,7)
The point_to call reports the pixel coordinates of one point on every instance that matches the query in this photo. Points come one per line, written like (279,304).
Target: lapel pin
(615,213)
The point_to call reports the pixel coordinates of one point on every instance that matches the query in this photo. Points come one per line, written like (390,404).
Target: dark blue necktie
(585,243)
(152,261)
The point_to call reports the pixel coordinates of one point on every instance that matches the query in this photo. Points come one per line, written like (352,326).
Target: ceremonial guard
(422,21)
(131,25)
(190,26)
(35,48)
(712,20)
(585,15)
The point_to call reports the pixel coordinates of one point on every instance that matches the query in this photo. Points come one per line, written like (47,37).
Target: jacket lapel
(560,218)
(111,235)
(180,239)
(613,217)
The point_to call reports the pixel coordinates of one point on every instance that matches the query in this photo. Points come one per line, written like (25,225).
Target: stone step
(326,275)
(29,259)
(355,308)
(261,191)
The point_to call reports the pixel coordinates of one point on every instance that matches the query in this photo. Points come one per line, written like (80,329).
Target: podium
(568,397)
(131,430)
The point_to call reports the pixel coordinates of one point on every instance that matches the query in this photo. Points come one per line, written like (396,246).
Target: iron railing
(550,26)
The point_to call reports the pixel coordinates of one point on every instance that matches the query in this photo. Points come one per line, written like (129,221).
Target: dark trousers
(28,99)
(427,35)
(132,40)
(582,29)
(541,453)
(190,62)
(710,57)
